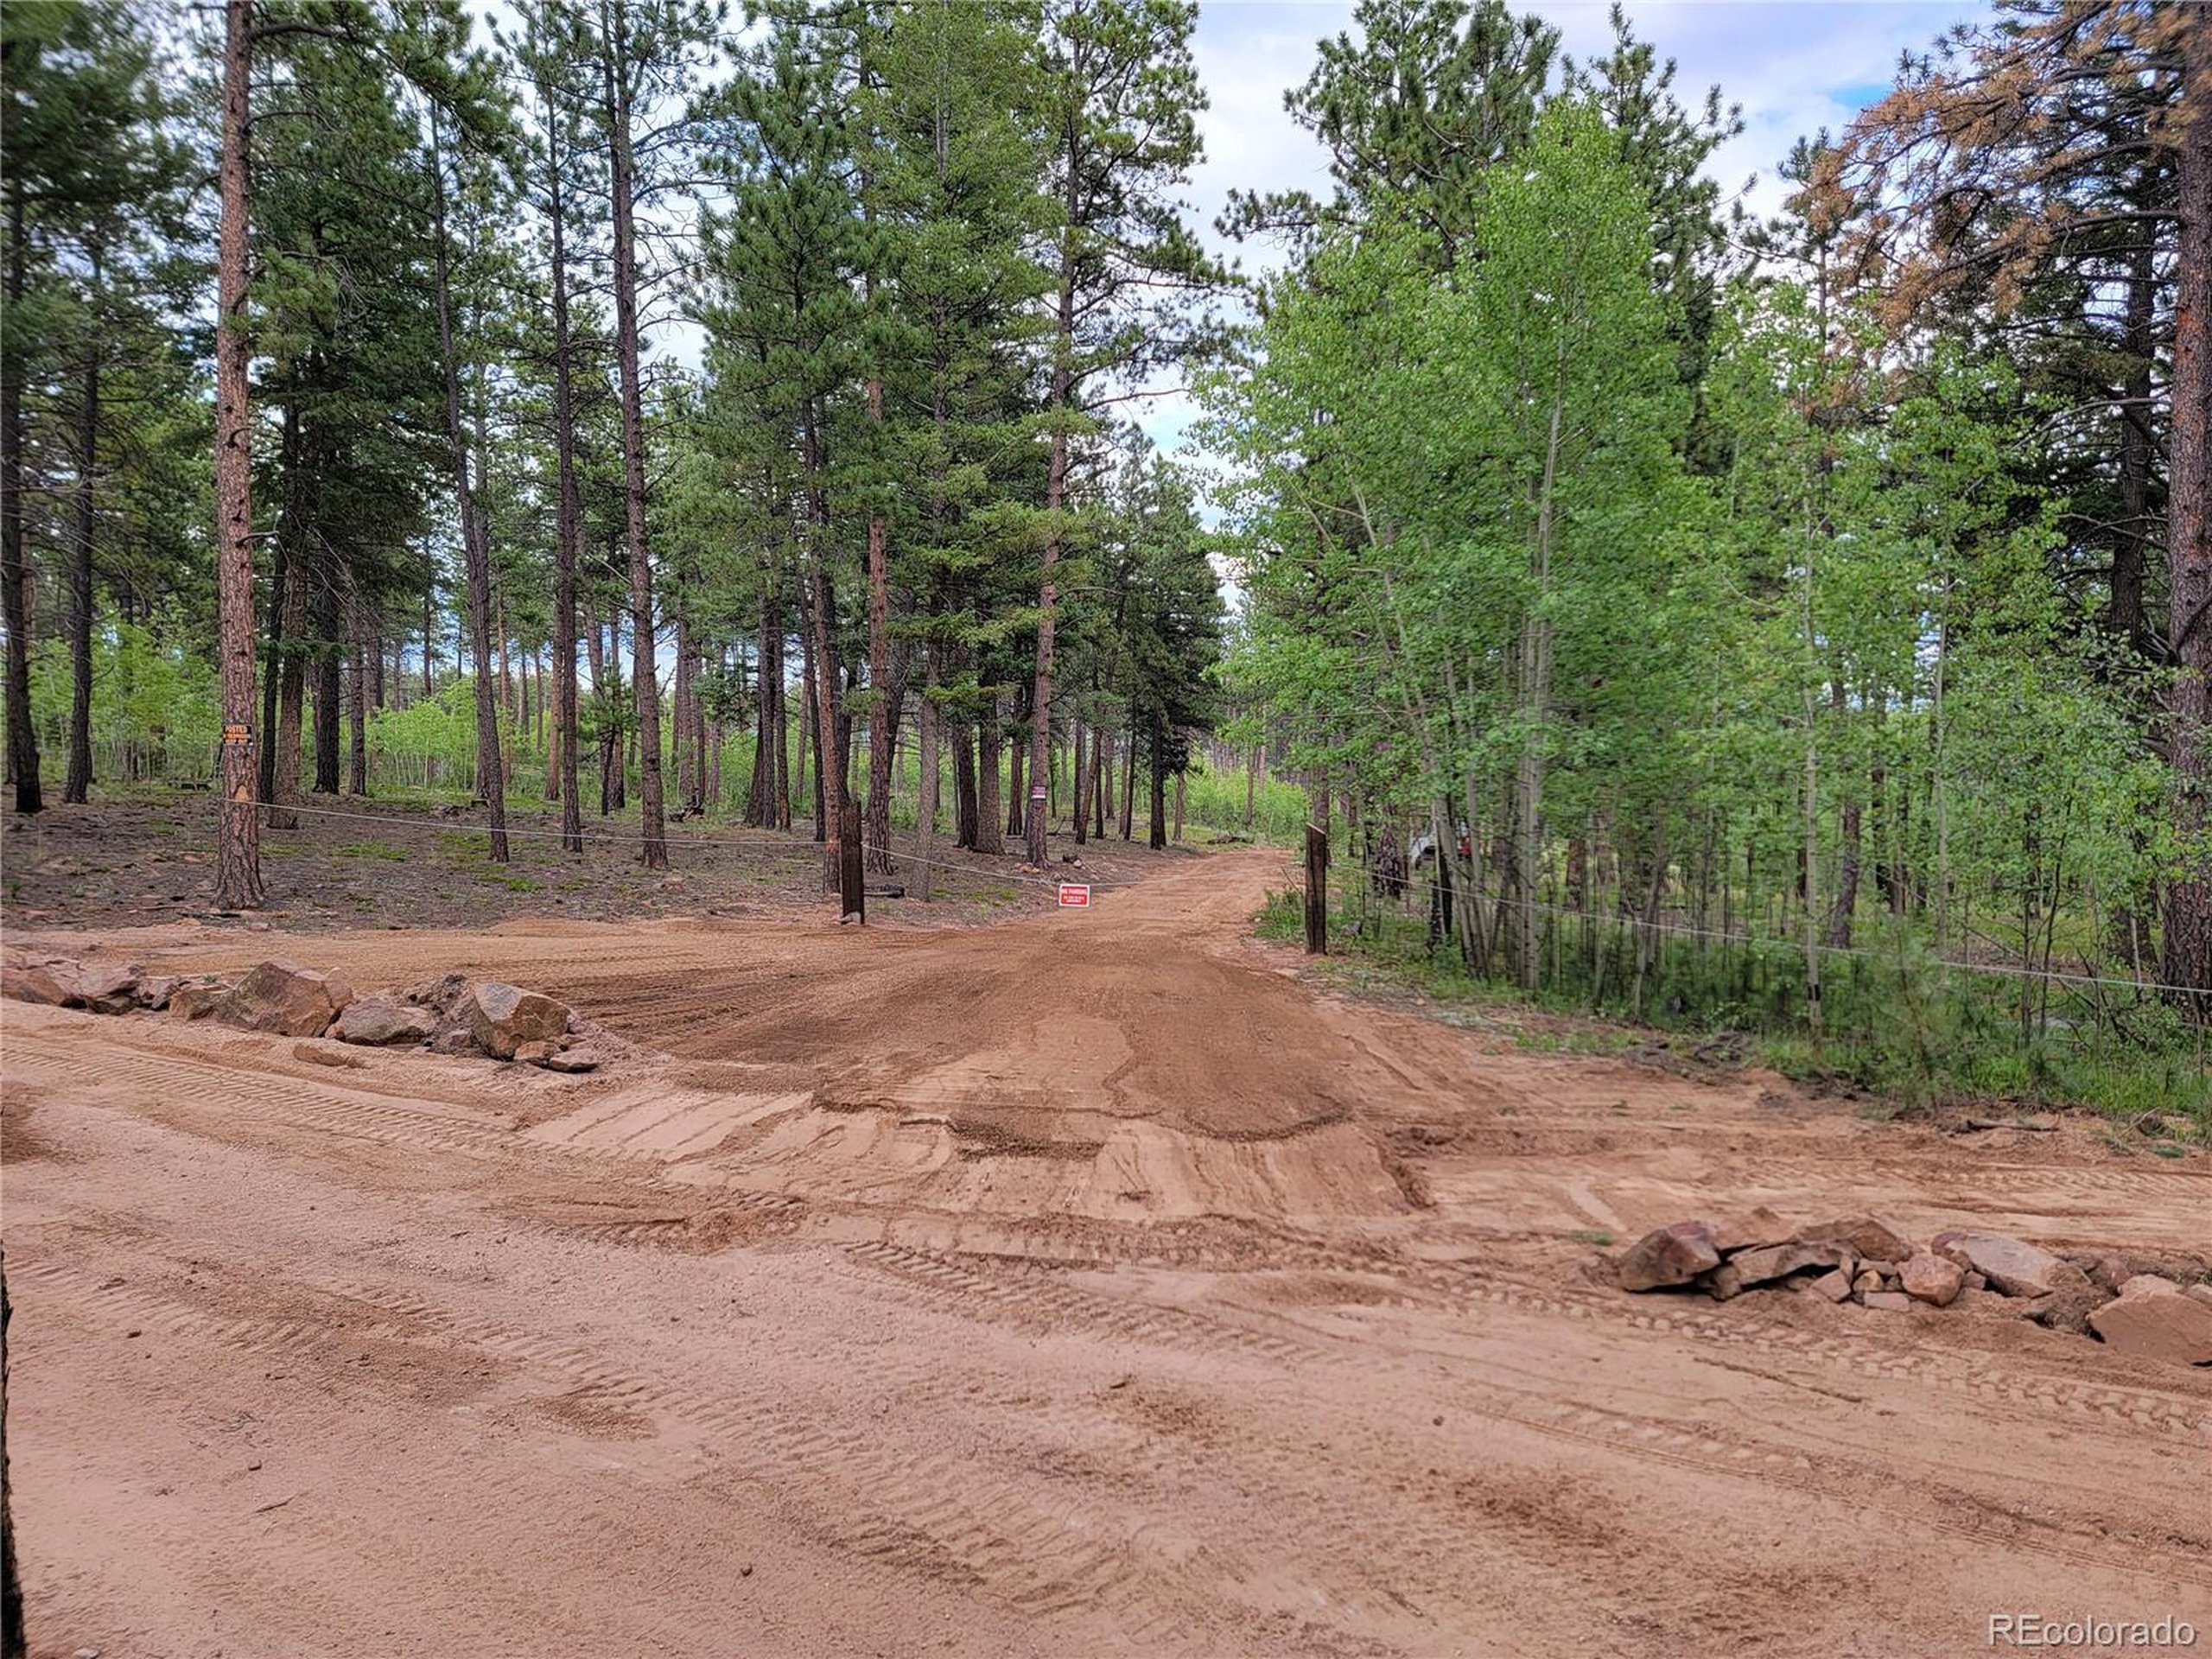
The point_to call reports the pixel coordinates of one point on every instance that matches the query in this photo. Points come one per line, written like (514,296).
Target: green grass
(370,850)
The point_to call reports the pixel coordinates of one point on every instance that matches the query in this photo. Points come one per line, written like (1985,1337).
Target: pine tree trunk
(237,868)
(1157,743)
(881,709)
(1129,779)
(15,565)
(78,787)
(931,783)
(357,700)
(2188,955)
(291,671)
(491,781)
(654,852)
(1102,781)
(990,737)
(328,715)
(966,812)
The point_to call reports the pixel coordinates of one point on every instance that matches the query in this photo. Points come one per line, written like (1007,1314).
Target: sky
(1793,66)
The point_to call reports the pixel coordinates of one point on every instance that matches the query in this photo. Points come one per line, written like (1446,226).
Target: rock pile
(1865,1260)
(452,1015)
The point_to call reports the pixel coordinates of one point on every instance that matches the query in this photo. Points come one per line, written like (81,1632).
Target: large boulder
(379,1022)
(501,1018)
(1870,1237)
(2154,1320)
(2011,1265)
(1669,1256)
(104,990)
(36,979)
(284,998)
(1734,1231)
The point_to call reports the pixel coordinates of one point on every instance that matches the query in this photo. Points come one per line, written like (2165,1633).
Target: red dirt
(1086,1284)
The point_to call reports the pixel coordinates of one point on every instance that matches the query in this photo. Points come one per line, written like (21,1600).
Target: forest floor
(1092,1282)
(148,857)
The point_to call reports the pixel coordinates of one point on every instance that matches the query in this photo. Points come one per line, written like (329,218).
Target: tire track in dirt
(1031,1560)
(1057,1306)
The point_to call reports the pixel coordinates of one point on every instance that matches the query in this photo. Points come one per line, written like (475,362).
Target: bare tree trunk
(326,693)
(79,785)
(357,698)
(966,814)
(1056,485)
(491,781)
(881,709)
(237,871)
(1129,780)
(291,671)
(15,565)
(654,853)
(931,782)
(1102,781)
(2188,534)
(990,738)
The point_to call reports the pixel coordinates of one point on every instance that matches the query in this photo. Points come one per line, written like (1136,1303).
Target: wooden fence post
(1317,891)
(853,890)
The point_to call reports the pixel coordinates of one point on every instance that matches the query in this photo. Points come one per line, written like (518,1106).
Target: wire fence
(1411,893)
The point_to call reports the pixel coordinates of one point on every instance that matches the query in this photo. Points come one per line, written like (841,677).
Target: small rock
(1780,1260)
(2107,1270)
(1725,1283)
(321,1054)
(1887,1301)
(88,1653)
(1867,1284)
(2014,1266)
(154,991)
(1870,1238)
(2069,1301)
(1931,1279)
(1669,1256)
(1974,1281)
(455,1040)
(2199,1294)
(1834,1284)
(534,1053)
(2153,1320)
(571,1059)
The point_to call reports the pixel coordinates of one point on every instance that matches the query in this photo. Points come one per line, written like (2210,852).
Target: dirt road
(1084,1285)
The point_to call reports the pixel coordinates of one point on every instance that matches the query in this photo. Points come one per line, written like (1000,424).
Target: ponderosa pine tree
(1122,99)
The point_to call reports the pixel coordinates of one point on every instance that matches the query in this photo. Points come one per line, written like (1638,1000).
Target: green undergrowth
(1910,1036)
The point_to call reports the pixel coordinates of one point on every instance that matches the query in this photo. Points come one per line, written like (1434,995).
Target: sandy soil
(1087,1284)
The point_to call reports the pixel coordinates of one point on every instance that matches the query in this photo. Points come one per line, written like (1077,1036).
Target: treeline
(1835,581)
(674,386)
